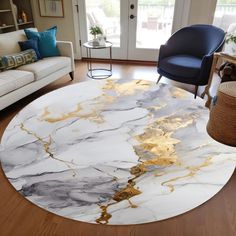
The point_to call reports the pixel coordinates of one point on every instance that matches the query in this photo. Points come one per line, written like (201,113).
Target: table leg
(110,59)
(87,52)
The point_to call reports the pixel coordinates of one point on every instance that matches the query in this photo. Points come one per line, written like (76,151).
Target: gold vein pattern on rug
(115,152)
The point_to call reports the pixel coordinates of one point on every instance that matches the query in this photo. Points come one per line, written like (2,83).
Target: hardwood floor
(20,217)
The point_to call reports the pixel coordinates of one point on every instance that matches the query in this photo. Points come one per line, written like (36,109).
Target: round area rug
(115,152)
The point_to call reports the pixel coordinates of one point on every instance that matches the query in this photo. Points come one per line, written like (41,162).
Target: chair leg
(158,80)
(196,89)
(72,75)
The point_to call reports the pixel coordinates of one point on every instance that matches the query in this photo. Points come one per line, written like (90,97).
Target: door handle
(131,16)
(77,8)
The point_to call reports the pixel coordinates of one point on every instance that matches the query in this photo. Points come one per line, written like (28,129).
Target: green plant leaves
(95,30)
(230,38)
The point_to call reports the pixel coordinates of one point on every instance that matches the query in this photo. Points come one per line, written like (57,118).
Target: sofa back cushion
(9,42)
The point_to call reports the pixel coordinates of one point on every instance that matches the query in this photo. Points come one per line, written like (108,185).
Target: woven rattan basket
(222,123)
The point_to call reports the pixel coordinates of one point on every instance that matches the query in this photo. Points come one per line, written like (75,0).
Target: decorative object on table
(115,152)
(95,31)
(222,122)
(24,17)
(227,72)
(51,8)
(216,57)
(231,44)
(101,40)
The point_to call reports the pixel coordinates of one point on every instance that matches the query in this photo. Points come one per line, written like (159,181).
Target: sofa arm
(66,49)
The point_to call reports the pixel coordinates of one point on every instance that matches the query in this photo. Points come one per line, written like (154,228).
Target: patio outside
(154,20)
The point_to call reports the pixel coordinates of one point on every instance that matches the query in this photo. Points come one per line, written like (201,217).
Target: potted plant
(95,31)
(231,41)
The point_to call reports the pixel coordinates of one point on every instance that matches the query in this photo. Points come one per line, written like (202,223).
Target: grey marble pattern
(115,152)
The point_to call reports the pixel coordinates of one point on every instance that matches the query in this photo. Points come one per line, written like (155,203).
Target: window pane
(106,14)
(225,13)
(154,23)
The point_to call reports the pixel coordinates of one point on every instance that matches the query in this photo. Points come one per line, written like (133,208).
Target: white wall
(195,12)
(65,25)
(202,11)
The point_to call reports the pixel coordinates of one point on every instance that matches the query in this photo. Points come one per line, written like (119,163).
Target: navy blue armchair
(187,55)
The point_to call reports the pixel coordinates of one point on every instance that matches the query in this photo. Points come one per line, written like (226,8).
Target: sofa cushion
(19,59)
(46,66)
(13,79)
(46,40)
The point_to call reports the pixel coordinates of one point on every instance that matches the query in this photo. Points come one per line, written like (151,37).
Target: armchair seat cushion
(184,66)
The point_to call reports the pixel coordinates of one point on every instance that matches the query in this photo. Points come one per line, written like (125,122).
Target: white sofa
(24,80)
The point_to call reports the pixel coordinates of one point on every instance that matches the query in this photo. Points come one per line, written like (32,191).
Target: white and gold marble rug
(115,152)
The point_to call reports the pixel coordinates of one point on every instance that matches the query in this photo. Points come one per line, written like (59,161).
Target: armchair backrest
(196,40)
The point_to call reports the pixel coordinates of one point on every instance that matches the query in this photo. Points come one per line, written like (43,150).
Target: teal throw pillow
(19,59)
(46,41)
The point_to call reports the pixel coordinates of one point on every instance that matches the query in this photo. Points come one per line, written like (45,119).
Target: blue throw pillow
(30,44)
(46,41)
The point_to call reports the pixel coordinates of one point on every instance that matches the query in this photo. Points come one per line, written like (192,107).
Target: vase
(95,41)
(101,40)
(230,48)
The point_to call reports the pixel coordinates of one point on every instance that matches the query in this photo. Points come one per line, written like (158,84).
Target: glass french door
(136,28)
(150,25)
(225,14)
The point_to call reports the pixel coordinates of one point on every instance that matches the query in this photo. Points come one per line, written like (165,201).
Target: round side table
(98,73)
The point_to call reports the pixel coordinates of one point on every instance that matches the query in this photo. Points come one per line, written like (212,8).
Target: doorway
(136,28)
